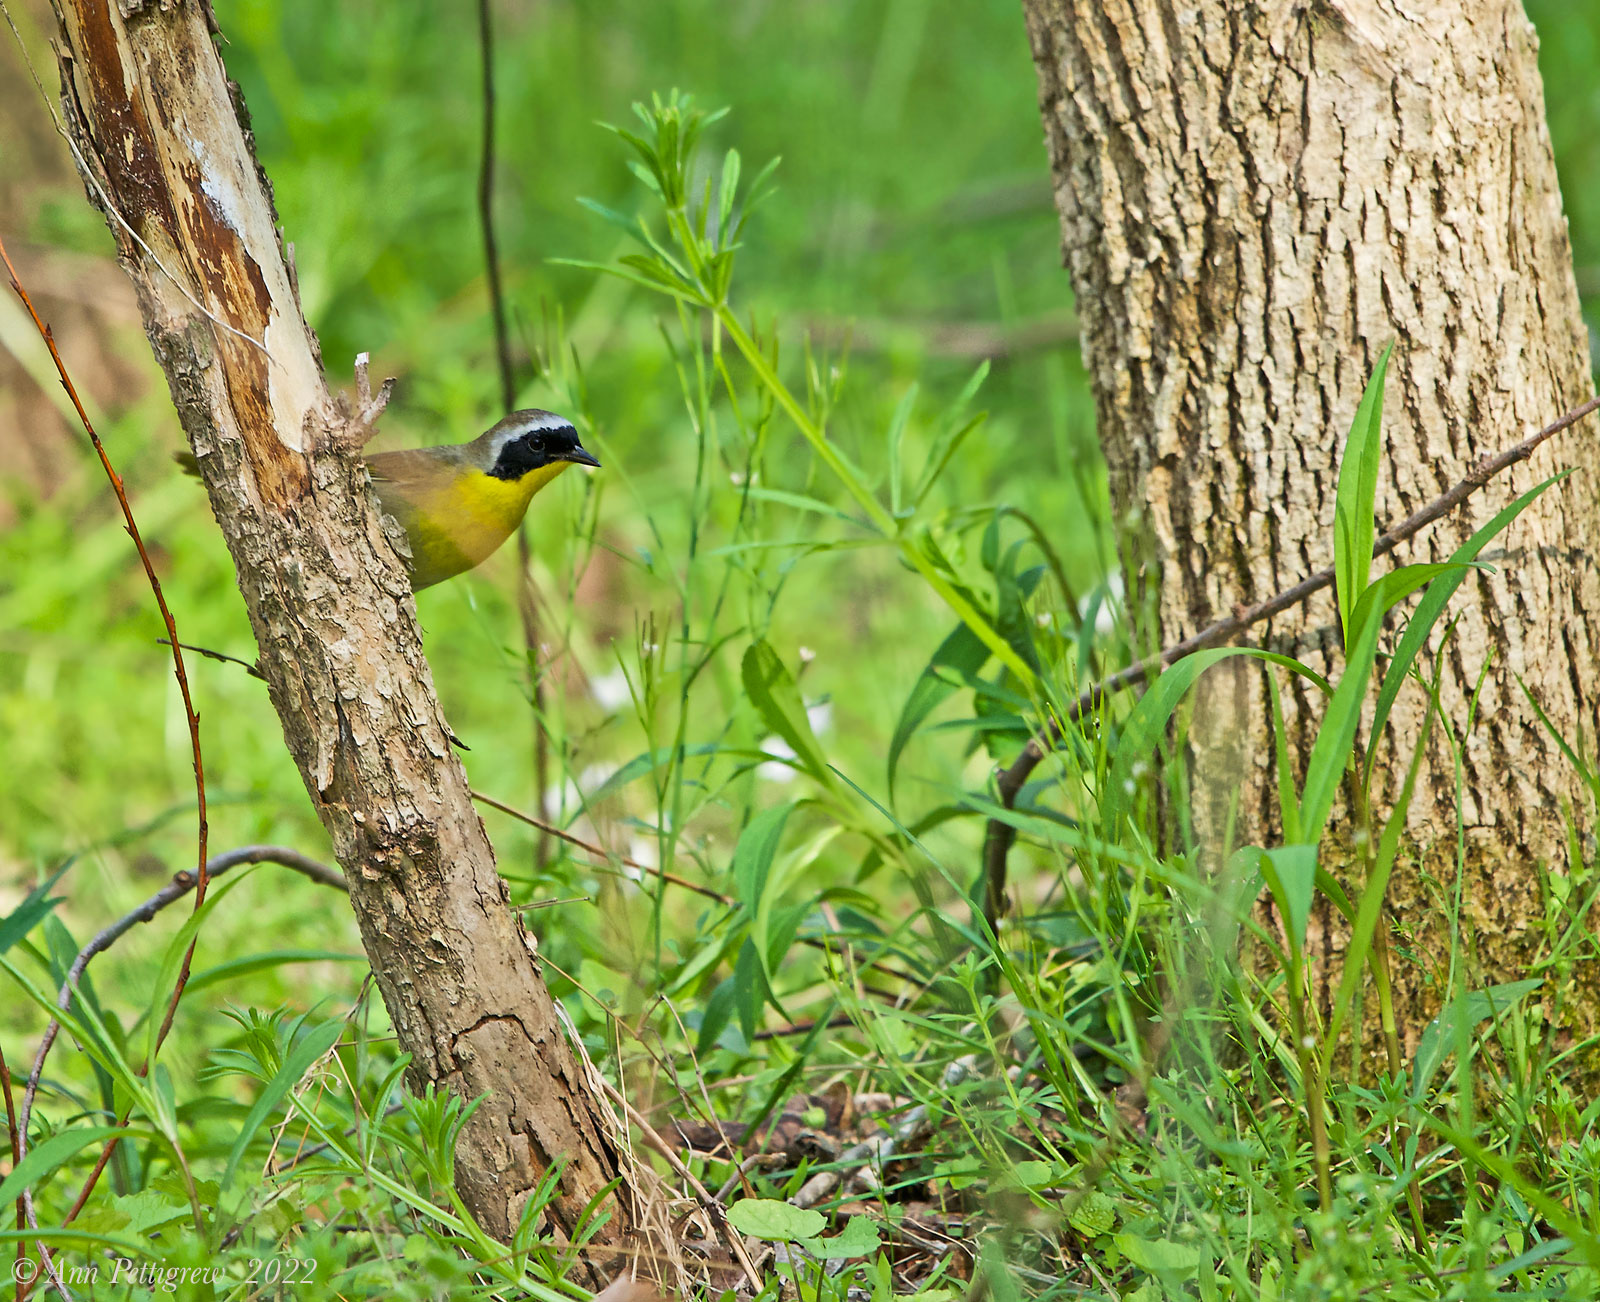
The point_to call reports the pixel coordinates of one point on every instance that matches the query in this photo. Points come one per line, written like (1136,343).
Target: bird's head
(526,441)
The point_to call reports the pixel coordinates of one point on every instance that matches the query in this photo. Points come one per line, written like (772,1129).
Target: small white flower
(807,655)
(736,478)
(778,747)
(610,691)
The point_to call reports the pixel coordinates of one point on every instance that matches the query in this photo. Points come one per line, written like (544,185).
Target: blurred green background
(913,213)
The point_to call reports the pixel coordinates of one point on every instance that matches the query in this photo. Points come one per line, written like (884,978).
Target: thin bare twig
(1009,781)
(712,1208)
(965,340)
(600,853)
(604,859)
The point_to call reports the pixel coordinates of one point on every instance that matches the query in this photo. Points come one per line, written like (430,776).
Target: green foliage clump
(796,563)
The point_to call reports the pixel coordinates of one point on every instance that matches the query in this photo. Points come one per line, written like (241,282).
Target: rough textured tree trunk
(160,139)
(1256,198)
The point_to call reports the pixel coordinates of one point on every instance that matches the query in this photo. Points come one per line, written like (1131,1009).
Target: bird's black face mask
(540,447)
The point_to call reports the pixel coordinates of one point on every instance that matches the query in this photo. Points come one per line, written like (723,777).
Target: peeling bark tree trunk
(1255,198)
(161,141)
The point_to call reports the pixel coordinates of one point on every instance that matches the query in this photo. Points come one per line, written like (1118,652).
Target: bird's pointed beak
(579,457)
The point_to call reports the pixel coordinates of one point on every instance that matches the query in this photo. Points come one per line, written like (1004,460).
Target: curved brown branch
(1009,781)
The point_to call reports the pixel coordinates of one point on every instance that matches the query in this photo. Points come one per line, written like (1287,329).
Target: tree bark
(1255,198)
(164,147)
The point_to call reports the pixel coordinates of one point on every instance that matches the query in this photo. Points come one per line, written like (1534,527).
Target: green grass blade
(33,909)
(1372,895)
(1337,735)
(1144,728)
(299,1060)
(46,1156)
(1433,602)
(1354,531)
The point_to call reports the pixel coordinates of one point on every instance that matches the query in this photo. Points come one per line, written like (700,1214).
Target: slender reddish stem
(132,526)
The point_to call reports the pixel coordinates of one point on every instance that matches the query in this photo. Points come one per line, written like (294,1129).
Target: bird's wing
(412,466)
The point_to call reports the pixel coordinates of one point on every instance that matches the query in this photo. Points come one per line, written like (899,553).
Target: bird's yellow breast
(457,519)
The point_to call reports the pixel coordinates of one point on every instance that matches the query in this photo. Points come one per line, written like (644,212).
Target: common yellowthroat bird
(458,503)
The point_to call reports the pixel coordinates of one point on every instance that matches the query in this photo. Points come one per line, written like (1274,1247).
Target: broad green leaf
(305,1054)
(718,1013)
(1011,592)
(1433,602)
(1095,1214)
(150,1208)
(707,953)
(1144,728)
(753,856)
(963,652)
(1032,1173)
(859,1238)
(1159,1256)
(752,991)
(1393,588)
(773,692)
(777,934)
(777,1222)
(1291,872)
(1354,531)
(1473,1007)
(46,1156)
